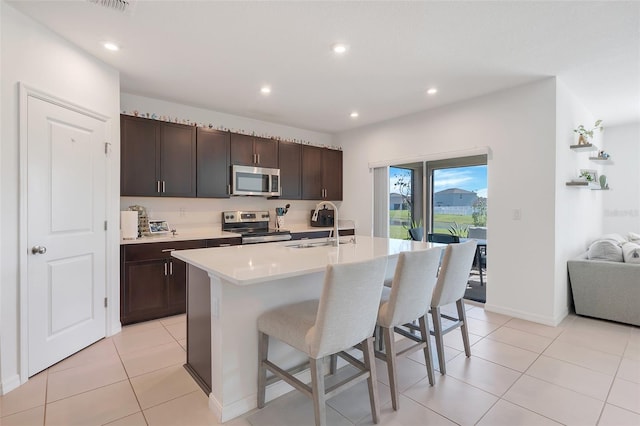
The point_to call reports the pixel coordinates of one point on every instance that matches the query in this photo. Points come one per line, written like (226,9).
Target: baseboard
(244,405)
(10,384)
(540,319)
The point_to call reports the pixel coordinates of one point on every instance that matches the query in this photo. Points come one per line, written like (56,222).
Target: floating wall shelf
(584,147)
(603,161)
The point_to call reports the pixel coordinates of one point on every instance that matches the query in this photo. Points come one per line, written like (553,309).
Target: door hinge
(105,225)
(105,302)
(107,148)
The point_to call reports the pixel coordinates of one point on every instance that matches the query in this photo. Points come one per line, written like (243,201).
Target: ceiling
(216,55)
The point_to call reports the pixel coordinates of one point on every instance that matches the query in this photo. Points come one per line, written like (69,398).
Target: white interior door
(66,210)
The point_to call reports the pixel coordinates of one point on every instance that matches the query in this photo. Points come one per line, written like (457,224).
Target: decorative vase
(603,182)
(279,222)
(582,140)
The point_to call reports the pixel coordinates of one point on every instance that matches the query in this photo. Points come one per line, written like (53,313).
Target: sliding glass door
(458,195)
(405,199)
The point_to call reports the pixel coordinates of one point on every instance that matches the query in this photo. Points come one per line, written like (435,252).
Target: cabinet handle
(163,186)
(167,250)
(229,189)
(158,186)
(171,268)
(165,269)
(258,155)
(224,245)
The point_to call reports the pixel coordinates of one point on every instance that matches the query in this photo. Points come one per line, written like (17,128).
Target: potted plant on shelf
(586,134)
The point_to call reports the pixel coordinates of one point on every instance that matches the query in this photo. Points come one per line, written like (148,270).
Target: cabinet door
(332,174)
(139,156)
(266,151)
(311,173)
(290,162)
(213,163)
(242,150)
(178,160)
(144,291)
(177,287)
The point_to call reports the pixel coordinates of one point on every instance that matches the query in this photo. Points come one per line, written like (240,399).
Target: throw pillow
(634,237)
(631,252)
(605,250)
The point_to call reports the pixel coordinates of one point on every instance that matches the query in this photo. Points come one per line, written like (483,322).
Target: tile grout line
(130,384)
(615,376)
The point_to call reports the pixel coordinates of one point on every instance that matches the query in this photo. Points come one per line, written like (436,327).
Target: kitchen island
(228,288)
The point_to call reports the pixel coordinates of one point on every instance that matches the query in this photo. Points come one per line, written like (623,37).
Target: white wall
(34,55)
(130,103)
(622,203)
(519,128)
(578,210)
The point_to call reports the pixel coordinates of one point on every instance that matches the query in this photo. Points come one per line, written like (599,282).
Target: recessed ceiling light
(354,114)
(265,90)
(340,48)
(432,91)
(111,46)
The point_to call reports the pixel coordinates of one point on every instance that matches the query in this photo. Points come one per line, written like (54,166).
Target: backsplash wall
(185,214)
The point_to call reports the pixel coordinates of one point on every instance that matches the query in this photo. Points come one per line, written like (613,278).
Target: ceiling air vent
(124,6)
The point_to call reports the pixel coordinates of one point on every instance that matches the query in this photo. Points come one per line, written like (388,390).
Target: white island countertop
(255,263)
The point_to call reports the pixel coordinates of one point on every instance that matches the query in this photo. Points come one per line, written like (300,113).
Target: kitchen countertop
(255,263)
(211,233)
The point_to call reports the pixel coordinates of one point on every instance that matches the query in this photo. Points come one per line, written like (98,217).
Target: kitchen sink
(310,244)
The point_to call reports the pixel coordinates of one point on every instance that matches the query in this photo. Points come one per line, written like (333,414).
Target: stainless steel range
(253,226)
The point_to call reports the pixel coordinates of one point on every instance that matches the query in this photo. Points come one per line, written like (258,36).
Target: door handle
(158,186)
(165,269)
(38,249)
(163,186)
(171,268)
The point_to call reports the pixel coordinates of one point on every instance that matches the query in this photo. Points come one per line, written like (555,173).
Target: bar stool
(344,316)
(408,299)
(450,288)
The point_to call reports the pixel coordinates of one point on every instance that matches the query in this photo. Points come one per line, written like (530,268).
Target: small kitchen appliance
(143,220)
(325,218)
(253,226)
(255,181)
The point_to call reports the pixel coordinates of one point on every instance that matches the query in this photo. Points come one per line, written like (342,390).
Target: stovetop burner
(253,226)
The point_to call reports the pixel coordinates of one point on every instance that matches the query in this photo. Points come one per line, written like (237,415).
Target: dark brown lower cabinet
(152,283)
(319,234)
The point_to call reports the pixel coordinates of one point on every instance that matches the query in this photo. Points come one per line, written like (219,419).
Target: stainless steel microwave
(246,180)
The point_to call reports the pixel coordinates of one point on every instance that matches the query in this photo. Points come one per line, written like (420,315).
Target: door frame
(25,91)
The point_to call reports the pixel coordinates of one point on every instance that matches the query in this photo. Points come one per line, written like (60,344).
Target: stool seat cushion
(291,323)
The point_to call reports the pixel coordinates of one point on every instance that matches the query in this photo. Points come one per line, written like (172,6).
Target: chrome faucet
(336,241)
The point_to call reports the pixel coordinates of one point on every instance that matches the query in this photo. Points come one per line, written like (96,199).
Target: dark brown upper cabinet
(290,162)
(254,151)
(213,163)
(321,174)
(158,159)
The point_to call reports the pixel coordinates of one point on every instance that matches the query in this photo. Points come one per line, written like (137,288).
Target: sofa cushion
(605,250)
(613,237)
(633,237)
(631,252)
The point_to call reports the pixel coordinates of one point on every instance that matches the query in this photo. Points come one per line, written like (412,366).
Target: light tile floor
(584,372)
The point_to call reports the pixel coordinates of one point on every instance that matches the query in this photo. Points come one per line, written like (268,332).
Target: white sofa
(607,289)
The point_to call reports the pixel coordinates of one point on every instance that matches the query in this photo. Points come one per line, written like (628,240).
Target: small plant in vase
(586,176)
(586,134)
